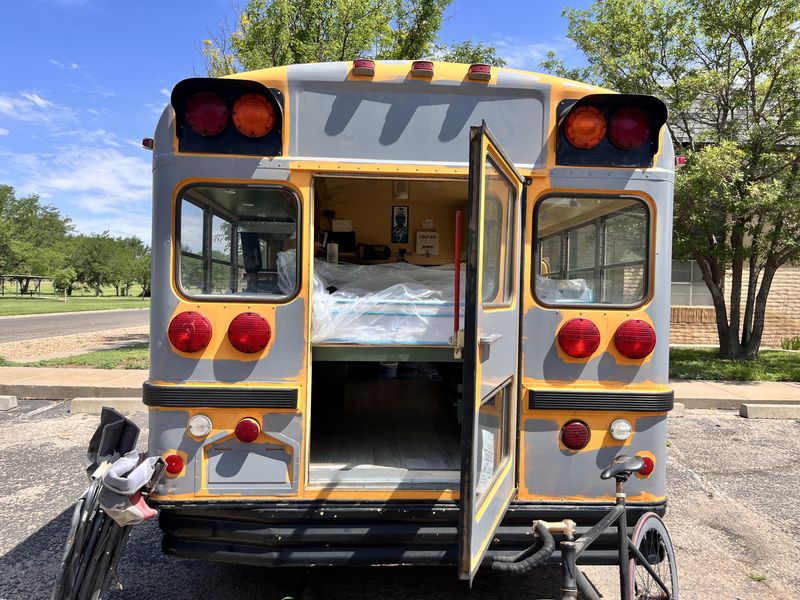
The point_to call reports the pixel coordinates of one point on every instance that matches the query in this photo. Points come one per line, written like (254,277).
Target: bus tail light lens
(575,435)
(579,338)
(629,128)
(249,333)
(206,113)
(649,465)
(175,464)
(635,339)
(585,127)
(253,115)
(247,430)
(189,332)
(480,72)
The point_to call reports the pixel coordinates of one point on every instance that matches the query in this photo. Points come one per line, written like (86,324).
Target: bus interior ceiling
(385,425)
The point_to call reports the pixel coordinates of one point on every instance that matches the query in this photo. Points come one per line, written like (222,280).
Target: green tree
(272,33)
(729,71)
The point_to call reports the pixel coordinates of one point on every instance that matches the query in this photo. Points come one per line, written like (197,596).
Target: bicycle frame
(573,580)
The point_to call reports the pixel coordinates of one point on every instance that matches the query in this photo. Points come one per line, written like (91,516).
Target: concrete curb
(8,402)
(770,411)
(93,406)
(678,410)
(49,392)
(73,312)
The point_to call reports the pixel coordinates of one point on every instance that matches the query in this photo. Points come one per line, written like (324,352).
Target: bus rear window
(591,251)
(232,240)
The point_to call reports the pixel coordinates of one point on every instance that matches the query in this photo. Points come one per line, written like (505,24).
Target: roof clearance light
(635,339)
(620,430)
(148,143)
(253,115)
(480,72)
(364,66)
(189,332)
(575,434)
(207,113)
(422,68)
(247,430)
(585,127)
(249,333)
(579,338)
(629,128)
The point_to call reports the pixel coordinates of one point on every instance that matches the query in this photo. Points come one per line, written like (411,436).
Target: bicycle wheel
(651,538)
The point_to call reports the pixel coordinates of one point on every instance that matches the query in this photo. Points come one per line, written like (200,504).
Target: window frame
(223,214)
(598,269)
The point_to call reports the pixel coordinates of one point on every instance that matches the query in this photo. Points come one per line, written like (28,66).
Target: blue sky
(83,81)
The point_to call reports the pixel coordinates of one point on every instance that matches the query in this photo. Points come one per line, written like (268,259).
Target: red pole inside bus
(456,306)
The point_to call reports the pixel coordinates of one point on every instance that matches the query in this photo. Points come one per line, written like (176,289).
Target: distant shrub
(792,343)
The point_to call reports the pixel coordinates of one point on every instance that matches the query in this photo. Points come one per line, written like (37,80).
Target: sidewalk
(29,382)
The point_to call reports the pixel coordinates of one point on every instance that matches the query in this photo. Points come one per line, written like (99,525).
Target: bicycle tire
(651,537)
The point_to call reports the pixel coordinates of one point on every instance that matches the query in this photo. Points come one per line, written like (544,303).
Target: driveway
(732,487)
(14,329)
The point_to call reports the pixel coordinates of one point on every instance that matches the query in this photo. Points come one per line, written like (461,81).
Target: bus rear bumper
(328,533)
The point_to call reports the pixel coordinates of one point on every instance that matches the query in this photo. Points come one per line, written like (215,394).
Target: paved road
(45,326)
(733,520)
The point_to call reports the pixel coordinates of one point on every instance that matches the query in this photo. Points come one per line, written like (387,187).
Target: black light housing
(225,139)
(615,149)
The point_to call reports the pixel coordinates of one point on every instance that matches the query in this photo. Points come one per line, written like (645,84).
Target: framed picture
(399,224)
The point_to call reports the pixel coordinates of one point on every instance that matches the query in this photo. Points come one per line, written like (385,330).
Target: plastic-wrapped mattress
(385,304)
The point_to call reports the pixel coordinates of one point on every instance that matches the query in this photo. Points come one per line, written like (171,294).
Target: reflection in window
(232,240)
(493,445)
(498,237)
(591,251)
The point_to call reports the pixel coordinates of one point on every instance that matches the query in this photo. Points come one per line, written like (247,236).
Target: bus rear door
(491,346)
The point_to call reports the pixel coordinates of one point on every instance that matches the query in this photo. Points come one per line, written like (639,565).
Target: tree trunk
(750,350)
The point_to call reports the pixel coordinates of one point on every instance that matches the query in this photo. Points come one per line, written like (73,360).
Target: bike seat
(623,466)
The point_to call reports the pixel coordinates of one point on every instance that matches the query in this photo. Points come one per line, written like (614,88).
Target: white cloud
(121,226)
(70,66)
(521,55)
(32,108)
(165,92)
(4,131)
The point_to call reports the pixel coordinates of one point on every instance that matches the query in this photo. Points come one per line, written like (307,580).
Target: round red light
(575,434)
(635,339)
(579,338)
(253,115)
(629,128)
(174,464)
(649,465)
(585,127)
(249,333)
(247,430)
(189,332)
(206,113)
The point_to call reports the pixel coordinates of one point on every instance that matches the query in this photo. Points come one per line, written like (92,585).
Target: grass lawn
(132,357)
(771,365)
(16,305)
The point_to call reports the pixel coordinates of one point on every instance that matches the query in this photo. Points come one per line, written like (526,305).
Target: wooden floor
(391,432)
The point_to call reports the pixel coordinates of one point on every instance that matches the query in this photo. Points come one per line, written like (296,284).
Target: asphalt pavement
(732,485)
(34,327)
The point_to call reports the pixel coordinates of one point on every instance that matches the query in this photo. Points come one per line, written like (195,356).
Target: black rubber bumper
(333,533)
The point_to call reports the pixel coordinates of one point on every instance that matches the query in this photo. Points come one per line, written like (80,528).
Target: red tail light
(174,464)
(364,66)
(649,465)
(189,332)
(629,128)
(249,332)
(575,434)
(247,430)
(585,127)
(207,113)
(253,115)
(635,339)
(480,72)
(579,338)
(422,68)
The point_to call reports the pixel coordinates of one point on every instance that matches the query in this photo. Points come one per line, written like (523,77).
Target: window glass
(251,235)
(498,237)
(494,438)
(688,287)
(606,245)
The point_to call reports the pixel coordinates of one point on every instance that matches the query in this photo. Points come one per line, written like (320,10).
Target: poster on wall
(400,224)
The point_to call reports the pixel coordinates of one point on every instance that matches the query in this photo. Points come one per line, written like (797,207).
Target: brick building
(692,317)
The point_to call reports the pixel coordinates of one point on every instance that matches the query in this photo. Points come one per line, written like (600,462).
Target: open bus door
(491,347)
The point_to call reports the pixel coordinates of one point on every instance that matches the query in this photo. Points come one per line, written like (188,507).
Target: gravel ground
(732,487)
(72,345)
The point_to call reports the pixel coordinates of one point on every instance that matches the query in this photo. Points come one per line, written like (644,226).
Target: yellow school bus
(402,309)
